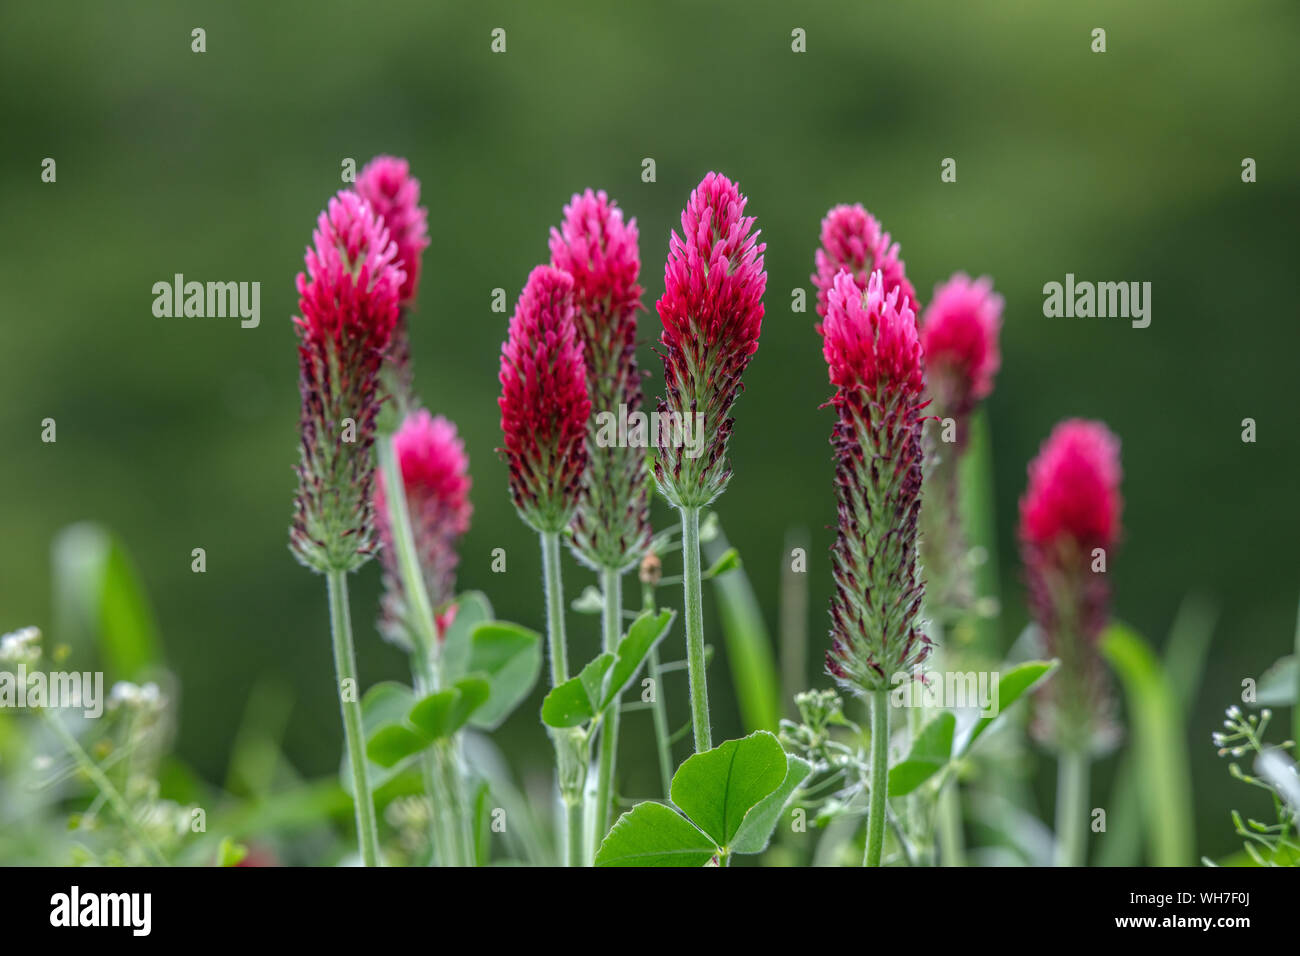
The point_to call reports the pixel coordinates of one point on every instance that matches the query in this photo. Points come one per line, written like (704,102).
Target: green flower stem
(345,667)
(570,768)
(879,777)
(443,773)
(659,707)
(425,636)
(611,620)
(952,845)
(554,607)
(110,792)
(451,812)
(692,587)
(573,834)
(1071,808)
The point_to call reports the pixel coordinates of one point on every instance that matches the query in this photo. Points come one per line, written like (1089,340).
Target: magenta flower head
(872,351)
(348,300)
(959,334)
(611,528)
(1069,525)
(712,313)
(853,240)
(394,194)
(435,476)
(544,402)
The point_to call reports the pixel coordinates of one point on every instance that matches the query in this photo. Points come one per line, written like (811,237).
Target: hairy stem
(611,620)
(879,777)
(345,668)
(570,760)
(692,587)
(554,589)
(441,777)
(1071,808)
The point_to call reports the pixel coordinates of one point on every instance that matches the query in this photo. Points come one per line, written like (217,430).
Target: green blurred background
(181,433)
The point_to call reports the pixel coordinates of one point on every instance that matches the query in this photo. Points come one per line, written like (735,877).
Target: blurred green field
(181,433)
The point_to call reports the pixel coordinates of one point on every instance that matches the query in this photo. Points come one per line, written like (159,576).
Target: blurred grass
(181,433)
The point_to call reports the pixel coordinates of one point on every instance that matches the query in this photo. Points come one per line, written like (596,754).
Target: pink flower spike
(611,528)
(712,314)
(874,361)
(348,295)
(387,184)
(1073,494)
(959,334)
(348,300)
(1069,525)
(853,240)
(544,402)
(435,475)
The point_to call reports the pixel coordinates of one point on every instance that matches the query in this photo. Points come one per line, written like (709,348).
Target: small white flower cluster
(145,697)
(20,646)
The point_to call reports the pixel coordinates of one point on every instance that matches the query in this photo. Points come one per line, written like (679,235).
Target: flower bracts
(874,359)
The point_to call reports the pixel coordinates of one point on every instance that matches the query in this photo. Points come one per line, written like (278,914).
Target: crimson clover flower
(959,336)
(853,240)
(874,358)
(611,528)
(435,477)
(394,194)
(348,298)
(712,313)
(544,402)
(1069,525)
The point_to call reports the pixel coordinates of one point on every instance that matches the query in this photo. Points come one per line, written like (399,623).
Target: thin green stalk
(554,588)
(451,815)
(692,586)
(570,766)
(659,707)
(444,777)
(879,777)
(952,844)
(345,667)
(1071,808)
(611,584)
(573,828)
(101,781)
(425,636)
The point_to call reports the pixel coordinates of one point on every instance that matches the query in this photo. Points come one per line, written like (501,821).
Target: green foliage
(102,601)
(749,645)
(1159,736)
(585,697)
(730,798)
(930,752)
